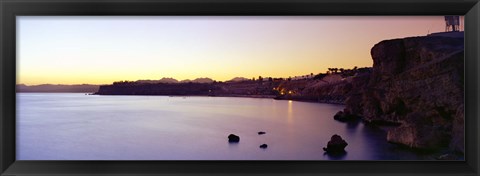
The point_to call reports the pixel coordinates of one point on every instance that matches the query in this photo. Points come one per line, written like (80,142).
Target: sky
(104,49)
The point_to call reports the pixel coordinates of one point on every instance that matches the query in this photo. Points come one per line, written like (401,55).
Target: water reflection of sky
(80,127)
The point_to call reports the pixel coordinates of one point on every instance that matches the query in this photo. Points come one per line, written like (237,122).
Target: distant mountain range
(238,79)
(173,80)
(91,88)
(80,88)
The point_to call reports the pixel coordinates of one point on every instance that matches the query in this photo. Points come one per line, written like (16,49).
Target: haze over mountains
(81,88)
(90,88)
(198,80)
(173,80)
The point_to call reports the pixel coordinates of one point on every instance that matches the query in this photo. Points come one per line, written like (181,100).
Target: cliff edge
(417,82)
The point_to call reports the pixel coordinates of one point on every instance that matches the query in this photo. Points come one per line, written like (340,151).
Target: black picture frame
(9,9)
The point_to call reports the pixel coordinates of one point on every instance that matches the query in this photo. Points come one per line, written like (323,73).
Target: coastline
(274,97)
(405,87)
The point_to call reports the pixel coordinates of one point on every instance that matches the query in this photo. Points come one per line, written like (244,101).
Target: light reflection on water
(290,111)
(69,126)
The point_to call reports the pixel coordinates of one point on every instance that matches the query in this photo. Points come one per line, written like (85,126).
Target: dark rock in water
(261,132)
(338,115)
(263,146)
(336,145)
(233,138)
(344,116)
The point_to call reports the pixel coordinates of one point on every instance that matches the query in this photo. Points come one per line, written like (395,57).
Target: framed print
(251,87)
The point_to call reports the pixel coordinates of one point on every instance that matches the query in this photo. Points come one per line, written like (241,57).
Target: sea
(78,126)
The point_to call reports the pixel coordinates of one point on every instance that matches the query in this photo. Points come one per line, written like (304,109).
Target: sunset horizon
(266,77)
(103,50)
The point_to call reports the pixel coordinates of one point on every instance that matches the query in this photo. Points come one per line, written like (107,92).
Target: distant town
(303,88)
(329,76)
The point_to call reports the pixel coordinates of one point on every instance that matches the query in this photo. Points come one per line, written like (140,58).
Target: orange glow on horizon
(102,50)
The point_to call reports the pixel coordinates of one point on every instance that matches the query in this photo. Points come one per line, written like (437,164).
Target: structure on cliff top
(452,23)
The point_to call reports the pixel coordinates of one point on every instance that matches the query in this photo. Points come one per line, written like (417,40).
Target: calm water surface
(72,126)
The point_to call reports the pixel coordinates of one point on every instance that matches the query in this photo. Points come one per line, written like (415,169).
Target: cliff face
(329,93)
(418,83)
(331,89)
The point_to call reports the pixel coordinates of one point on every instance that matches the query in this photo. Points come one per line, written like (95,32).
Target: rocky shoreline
(415,86)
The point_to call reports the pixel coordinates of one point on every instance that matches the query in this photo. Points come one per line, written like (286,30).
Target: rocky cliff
(417,82)
(333,88)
